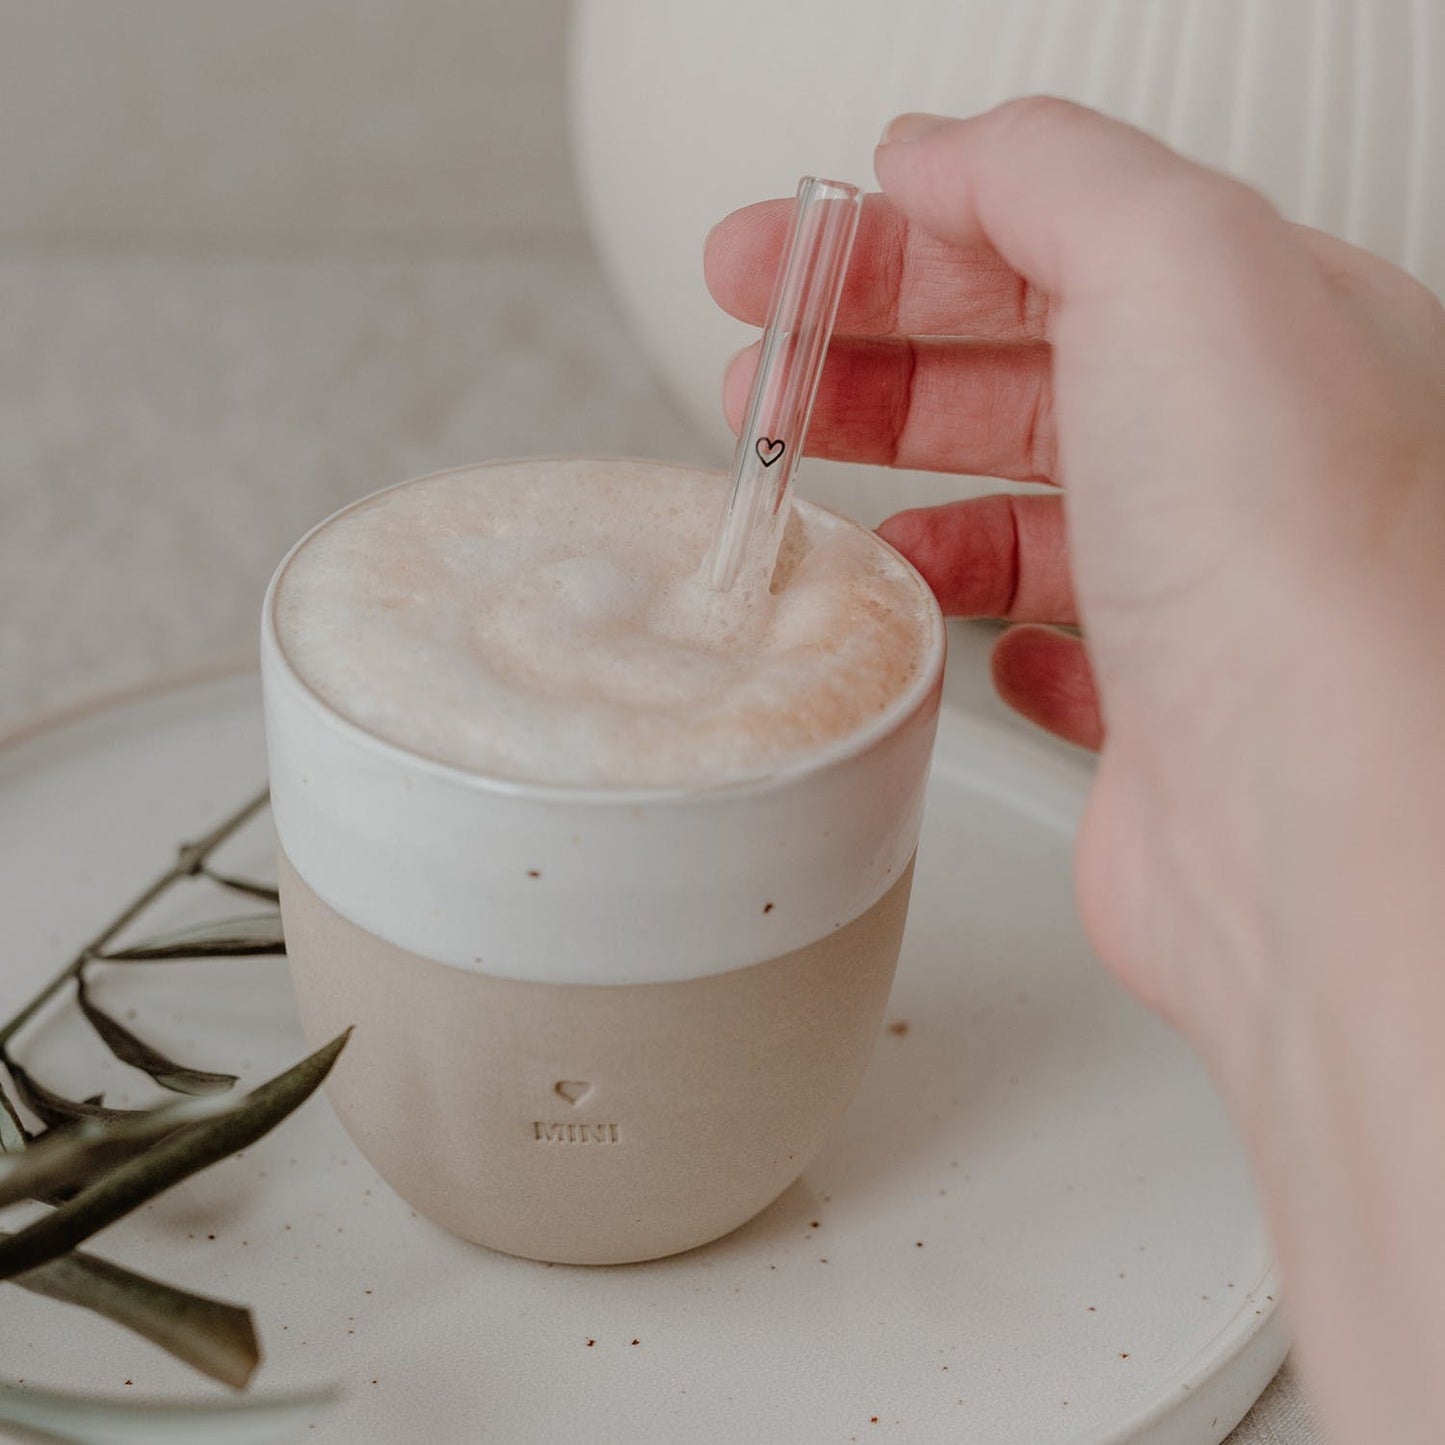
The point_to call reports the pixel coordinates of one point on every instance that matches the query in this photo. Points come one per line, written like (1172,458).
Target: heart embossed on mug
(769,449)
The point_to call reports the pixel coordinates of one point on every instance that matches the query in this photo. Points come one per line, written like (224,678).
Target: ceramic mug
(592,1025)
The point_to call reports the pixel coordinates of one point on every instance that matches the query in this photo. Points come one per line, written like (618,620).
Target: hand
(1248,419)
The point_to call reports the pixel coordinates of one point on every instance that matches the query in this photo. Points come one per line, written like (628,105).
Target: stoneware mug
(592,1025)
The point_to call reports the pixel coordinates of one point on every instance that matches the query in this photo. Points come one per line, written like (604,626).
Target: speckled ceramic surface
(1032,1226)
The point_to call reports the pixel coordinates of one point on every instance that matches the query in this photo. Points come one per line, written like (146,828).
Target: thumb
(1067,197)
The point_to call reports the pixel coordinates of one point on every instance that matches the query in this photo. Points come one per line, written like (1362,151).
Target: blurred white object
(682,112)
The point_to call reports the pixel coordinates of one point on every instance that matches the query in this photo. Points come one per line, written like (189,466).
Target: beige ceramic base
(590,1124)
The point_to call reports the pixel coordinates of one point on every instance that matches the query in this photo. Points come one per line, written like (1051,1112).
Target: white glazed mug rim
(561,884)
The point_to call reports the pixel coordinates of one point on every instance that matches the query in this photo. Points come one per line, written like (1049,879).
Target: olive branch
(90,1164)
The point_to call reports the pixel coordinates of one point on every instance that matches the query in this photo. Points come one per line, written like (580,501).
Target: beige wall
(258,258)
(278,121)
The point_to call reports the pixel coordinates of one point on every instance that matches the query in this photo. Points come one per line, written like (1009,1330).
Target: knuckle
(1194,210)
(1034,113)
(1414,296)
(894,276)
(1035,311)
(1041,452)
(904,402)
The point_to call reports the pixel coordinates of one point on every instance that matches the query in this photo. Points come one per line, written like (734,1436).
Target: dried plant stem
(190,859)
(95,1165)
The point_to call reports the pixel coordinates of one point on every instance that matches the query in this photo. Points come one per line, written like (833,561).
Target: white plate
(1034,1225)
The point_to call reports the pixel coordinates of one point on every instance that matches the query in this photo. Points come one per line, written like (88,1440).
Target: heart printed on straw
(769,450)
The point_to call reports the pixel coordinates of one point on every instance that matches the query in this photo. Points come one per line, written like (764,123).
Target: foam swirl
(543,621)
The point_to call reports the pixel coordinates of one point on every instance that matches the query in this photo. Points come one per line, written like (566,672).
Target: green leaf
(55,1109)
(13,1134)
(176,1157)
(267,891)
(102,1420)
(247,935)
(140,1055)
(67,1158)
(210,1335)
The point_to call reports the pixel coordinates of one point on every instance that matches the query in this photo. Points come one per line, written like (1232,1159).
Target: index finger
(901,281)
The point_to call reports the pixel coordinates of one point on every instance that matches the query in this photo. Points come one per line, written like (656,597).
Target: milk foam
(544,621)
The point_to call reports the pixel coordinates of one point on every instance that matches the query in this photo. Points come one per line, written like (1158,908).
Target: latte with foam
(544,621)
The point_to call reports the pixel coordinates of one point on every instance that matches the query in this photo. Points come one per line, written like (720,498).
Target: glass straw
(800,324)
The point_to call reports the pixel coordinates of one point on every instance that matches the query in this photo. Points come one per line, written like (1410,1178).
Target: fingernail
(911,126)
